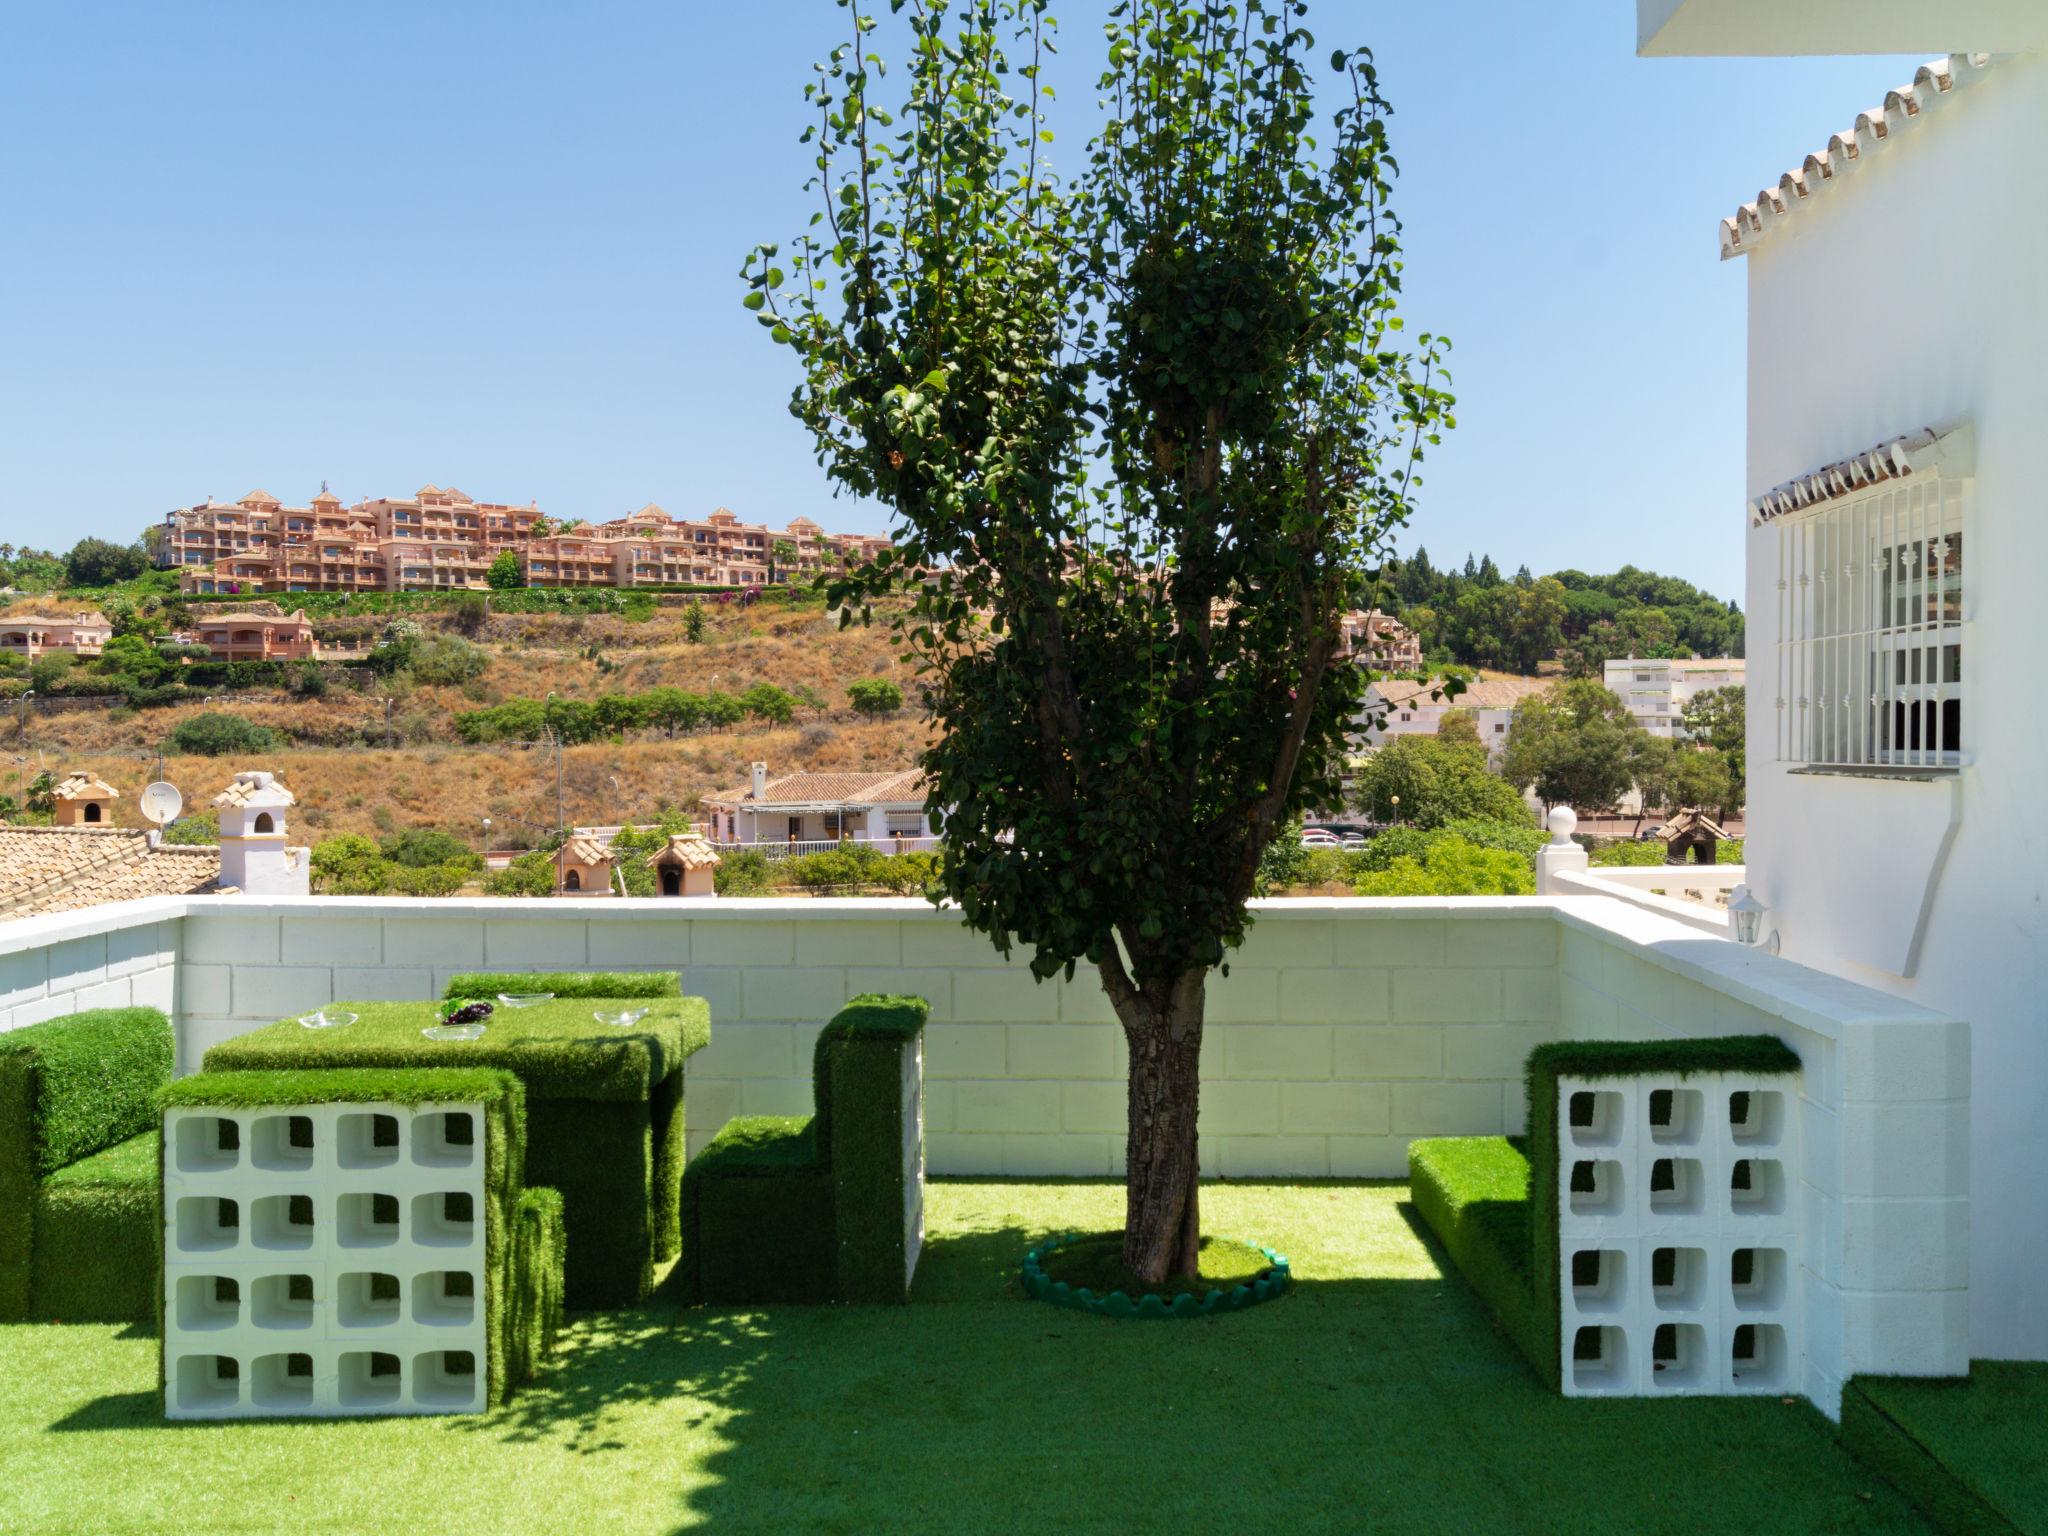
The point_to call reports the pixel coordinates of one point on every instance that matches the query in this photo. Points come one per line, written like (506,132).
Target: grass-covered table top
(557,1048)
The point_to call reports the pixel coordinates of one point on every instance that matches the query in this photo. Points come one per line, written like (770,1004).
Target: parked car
(1315,837)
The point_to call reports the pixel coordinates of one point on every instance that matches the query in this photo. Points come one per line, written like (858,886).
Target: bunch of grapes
(468,1013)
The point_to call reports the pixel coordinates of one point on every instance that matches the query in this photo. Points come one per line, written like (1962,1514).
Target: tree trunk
(1162,1208)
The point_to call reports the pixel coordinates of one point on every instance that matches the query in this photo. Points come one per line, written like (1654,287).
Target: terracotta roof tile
(61,869)
(84,786)
(897,784)
(1934,82)
(688,849)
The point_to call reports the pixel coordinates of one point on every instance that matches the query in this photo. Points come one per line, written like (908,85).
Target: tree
(217,733)
(1719,717)
(1141,428)
(765,701)
(101,563)
(693,623)
(674,709)
(505,573)
(428,847)
(1426,781)
(134,657)
(42,792)
(1578,745)
(781,555)
(874,697)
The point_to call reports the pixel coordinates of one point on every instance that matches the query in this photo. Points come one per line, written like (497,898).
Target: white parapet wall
(1345,1029)
(324,1260)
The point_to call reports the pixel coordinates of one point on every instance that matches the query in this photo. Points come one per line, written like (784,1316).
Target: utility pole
(27,694)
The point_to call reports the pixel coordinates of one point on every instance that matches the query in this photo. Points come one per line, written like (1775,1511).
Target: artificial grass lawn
(1377,1396)
(1973,1452)
(1097,1261)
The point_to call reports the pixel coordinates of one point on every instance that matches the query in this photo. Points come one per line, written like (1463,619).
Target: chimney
(760,781)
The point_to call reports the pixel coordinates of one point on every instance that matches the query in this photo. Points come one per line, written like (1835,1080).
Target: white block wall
(1345,1029)
(1729,1254)
(248,1348)
(111,957)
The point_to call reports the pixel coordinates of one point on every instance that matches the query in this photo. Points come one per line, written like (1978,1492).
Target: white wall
(1909,296)
(1346,1028)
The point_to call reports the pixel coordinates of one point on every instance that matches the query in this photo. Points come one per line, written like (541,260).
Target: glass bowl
(327,1018)
(622,1020)
(454,1031)
(525,999)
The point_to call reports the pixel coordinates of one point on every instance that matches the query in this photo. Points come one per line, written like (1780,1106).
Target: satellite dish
(161,803)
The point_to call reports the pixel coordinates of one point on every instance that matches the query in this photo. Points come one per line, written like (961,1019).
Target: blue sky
(495,246)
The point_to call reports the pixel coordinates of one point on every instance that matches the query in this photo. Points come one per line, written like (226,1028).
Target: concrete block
(447,943)
(333,939)
(24,976)
(1584,1012)
(155,989)
(1508,942)
(1529,996)
(1447,1109)
(1240,1109)
(1286,943)
(1905,1245)
(938,1106)
(1101,1107)
(1062,1050)
(1378,940)
(141,948)
(1906,1150)
(536,944)
(963,1155)
(228,937)
(747,1050)
(385,984)
(281,991)
(1300,1052)
(1905,1060)
(1333,996)
(205,989)
(1243,997)
(1056,1156)
(708,1102)
(743,943)
(659,944)
(1272,1157)
(1913,1333)
(852,943)
(1339,1109)
(964,1050)
(1008,995)
(76,963)
(1445,995)
(1006,1106)
(1368,1157)
(775,1096)
(1376,1052)
(1497,1051)
(719,986)
(1082,1000)
(801,996)
(943,940)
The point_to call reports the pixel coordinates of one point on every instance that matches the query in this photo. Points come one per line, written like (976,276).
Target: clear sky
(495,246)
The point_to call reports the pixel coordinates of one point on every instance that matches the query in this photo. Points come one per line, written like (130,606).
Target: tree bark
(1162,1204)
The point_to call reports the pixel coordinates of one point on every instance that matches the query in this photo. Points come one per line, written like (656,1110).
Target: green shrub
(194,829)
(1450,866)
(531,874)
(1517,837)
(874,697)
(420,847)
(217,733)
(447,661)
(741,872)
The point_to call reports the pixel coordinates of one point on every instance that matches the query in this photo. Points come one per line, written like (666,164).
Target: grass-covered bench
(1492,1201)
(823,1207)
(351,1241)
(604,1106)
(78,1202)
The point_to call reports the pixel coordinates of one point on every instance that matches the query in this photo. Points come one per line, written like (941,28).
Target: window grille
(1870,625)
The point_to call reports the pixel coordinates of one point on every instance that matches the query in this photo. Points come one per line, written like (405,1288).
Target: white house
(1657,692)
(884,808)
(1897,326)
(1407,709)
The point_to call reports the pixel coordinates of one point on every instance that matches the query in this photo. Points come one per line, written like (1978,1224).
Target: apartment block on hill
(442,539)
(1410,710)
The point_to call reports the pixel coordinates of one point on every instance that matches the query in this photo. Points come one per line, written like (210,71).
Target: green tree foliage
(101,563)
(396,647)
(48,673)
(1576,744)
(421,847)
(531,874)
(741,872)
(309,680)
(448,661)
(1451,866)
(1718,717)
(132,657)
(194,828)
(504,573)
(1151,419)
(42,793)
(1509,625)
(693,623)
(217,733)
(874,697)
(1436,779)
(765,701)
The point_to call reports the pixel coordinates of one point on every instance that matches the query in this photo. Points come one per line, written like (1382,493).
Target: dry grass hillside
(349,780)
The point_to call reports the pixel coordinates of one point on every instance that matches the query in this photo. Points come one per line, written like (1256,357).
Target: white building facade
(1657,692)
(1896,396)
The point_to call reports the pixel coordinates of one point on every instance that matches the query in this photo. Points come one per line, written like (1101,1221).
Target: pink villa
(257,636)
(32,635)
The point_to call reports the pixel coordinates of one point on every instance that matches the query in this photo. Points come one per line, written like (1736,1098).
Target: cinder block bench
(1645,1238)
(604,1106)
(823,1207)
(78,1175)
(351,1242)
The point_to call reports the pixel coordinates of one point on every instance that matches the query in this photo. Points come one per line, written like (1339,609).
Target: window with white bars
(1870,625)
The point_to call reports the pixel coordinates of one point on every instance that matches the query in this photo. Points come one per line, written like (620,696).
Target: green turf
(1378,1398)
(1474,1193)
(97,1226)
(579,984)
(1097,1261)
(1971,1453)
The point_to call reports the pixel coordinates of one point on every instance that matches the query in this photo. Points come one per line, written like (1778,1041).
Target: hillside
(360,765)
